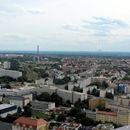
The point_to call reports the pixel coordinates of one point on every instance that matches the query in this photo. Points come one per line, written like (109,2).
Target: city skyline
(65,25)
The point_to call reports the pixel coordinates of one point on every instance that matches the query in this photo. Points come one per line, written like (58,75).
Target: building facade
(6,109)
(42,106)
(24,123)
(122,118)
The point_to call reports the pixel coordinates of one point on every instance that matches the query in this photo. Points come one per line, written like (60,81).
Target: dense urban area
(59,92)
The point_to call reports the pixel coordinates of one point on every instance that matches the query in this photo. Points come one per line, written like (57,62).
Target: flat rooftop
(5,126)
(4,106)
(124,128)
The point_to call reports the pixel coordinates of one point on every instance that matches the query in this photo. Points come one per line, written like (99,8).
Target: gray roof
(5,126)
(16,97)
(124,128)
(4,106)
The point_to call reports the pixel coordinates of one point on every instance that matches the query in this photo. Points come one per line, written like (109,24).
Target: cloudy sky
(65,25)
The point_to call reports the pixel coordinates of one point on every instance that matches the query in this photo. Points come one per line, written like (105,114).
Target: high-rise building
(7,65)
(36,58)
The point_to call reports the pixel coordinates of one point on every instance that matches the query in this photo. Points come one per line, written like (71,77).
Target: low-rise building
(24,123)
(77,95)
(19,101)
(65,94)
(127,127)
(90,114)
(71,95)
(42,106)
(10,73)
(103,127)
(7,65)
(106,116)
(117,108)
(64,126)
(5,126)
(6,109)
(95,102)
(123,100)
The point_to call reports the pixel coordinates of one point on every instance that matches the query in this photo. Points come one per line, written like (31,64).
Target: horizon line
(63,51)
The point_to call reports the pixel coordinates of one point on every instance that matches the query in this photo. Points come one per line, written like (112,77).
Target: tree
(6,79)
(81,104)
(74,111)
(19,110)
(66,87)
(98,84)
(45,96)
(77,89)
(53,115)
(57,99)
(87,121)
(95,92)
(105,85)
(11,118)
(61,118)
(7,86)
(14,65)
(65,80)
(80,115)
(88,92)
(44,75)
(109,95)
(68,103)
(22,79)
(27,111)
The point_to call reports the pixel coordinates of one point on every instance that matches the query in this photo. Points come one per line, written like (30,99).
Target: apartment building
(122,118)
(93,103)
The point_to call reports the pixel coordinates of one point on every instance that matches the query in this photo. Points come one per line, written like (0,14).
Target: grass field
(41,115)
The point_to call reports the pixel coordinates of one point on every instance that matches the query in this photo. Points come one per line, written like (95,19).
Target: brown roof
(30,122)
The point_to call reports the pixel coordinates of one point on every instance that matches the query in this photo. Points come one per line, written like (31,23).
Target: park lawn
(41,115)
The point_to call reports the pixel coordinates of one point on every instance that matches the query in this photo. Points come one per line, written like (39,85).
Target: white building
(42,106)
(65,94)
(77,96)
(47,81)
(84,82)
(71,95)
(6,109)
(102,93)
(7,65)
(46,88)
(20,101)
(127,127)
(10,73)
(70,86)
(17,92)
(89,88)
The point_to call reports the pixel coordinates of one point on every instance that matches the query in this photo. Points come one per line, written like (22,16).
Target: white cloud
(65,24)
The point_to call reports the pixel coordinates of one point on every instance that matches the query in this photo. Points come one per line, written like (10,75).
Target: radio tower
(38,58)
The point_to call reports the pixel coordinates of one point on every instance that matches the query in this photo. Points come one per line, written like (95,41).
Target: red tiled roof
(30,122)
(59,128)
